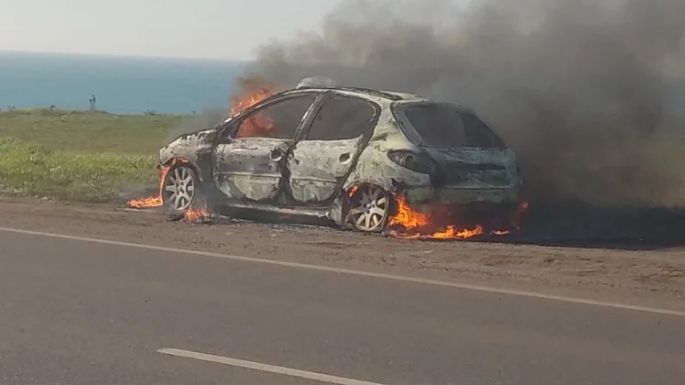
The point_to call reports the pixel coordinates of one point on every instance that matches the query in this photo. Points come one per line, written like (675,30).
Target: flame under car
(343,154)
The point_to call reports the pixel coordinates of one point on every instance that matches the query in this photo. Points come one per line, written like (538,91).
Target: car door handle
(344,158)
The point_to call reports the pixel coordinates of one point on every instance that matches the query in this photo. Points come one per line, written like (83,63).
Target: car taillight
(415,161)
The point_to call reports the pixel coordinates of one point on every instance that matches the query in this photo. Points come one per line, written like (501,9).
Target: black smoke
(585,91)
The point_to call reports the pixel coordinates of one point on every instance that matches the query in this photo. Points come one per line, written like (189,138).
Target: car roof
(392,96)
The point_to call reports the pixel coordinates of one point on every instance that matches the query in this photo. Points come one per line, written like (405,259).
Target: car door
(250,161)
(322,160)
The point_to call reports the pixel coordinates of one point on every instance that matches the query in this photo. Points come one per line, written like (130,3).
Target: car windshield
(446,126)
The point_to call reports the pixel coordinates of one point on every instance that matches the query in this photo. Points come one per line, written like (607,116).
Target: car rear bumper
(454,195)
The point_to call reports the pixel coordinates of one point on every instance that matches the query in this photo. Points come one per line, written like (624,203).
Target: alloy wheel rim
(179,188)
(369,208)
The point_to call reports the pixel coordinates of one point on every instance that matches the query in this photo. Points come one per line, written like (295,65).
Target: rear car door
(323,159)
(250,161)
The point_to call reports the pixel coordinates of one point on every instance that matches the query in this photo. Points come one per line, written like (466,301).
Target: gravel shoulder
(641,277)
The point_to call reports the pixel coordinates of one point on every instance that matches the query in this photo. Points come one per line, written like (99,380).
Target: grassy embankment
(80,156)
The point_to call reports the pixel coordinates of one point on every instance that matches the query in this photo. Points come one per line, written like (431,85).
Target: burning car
(358,157)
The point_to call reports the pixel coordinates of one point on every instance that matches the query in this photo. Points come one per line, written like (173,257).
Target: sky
(216,29)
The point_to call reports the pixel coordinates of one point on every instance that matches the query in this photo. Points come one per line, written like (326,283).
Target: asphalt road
(77,312)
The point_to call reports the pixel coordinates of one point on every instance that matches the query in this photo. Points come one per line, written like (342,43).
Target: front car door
(322,160)
(250,161)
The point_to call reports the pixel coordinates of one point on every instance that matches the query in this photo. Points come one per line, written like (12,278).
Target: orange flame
(153,201)
(453,233)
(407,217)
(352,190)
(257,124)
(190,215)
(408,223)
(196,215)
(157,200)
(249,98)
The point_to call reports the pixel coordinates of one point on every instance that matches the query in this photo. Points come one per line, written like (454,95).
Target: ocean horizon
(120,84)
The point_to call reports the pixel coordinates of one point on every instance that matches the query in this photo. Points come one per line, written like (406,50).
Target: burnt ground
(576,224)
(630,255)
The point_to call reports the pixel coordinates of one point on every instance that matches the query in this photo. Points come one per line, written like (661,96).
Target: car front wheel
(180,185)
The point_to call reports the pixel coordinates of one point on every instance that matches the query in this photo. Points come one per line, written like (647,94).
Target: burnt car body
(342,154)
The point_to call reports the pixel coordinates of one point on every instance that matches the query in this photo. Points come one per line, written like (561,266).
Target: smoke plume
(583,90)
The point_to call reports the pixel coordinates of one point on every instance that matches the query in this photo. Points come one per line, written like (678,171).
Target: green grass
(80,156)
(89,131)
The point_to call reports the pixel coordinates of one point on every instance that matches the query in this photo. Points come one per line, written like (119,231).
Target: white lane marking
(265,367)
(463,286)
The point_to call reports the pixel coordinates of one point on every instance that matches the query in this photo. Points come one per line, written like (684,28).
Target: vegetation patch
(36,170)
(80,156)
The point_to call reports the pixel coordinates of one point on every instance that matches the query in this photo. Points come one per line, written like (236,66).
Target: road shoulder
(642,278)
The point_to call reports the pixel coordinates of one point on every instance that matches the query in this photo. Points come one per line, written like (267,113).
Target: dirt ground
(641,277)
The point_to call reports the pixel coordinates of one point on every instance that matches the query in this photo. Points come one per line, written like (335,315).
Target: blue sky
(222,29)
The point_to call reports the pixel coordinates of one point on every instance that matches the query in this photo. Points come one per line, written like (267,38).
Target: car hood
(194,138)
(188,146)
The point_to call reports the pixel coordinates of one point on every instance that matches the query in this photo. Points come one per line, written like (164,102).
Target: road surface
(73,311)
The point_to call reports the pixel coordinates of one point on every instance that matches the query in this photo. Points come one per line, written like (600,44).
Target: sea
(118,84)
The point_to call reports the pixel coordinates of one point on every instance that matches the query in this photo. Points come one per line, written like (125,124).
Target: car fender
(193,149)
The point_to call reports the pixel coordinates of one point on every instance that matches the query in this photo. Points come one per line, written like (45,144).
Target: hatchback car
(342,154)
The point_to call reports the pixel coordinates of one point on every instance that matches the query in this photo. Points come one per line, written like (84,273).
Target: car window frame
(415,137)
(498,143)
(325,96)
(235,122)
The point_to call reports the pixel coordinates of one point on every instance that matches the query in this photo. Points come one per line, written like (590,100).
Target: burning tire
(369,209)
(180,187)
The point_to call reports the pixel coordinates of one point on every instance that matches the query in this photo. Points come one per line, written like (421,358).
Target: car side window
(278,120)
(342,117)
(478,134)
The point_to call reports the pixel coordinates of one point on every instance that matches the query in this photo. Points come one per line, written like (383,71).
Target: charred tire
(181,186)
(369,209)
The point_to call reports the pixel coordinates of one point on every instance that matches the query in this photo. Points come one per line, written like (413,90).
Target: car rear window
(444,125)
(478,134)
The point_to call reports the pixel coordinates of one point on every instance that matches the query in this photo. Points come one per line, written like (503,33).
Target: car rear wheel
(369,208)
(180,185)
